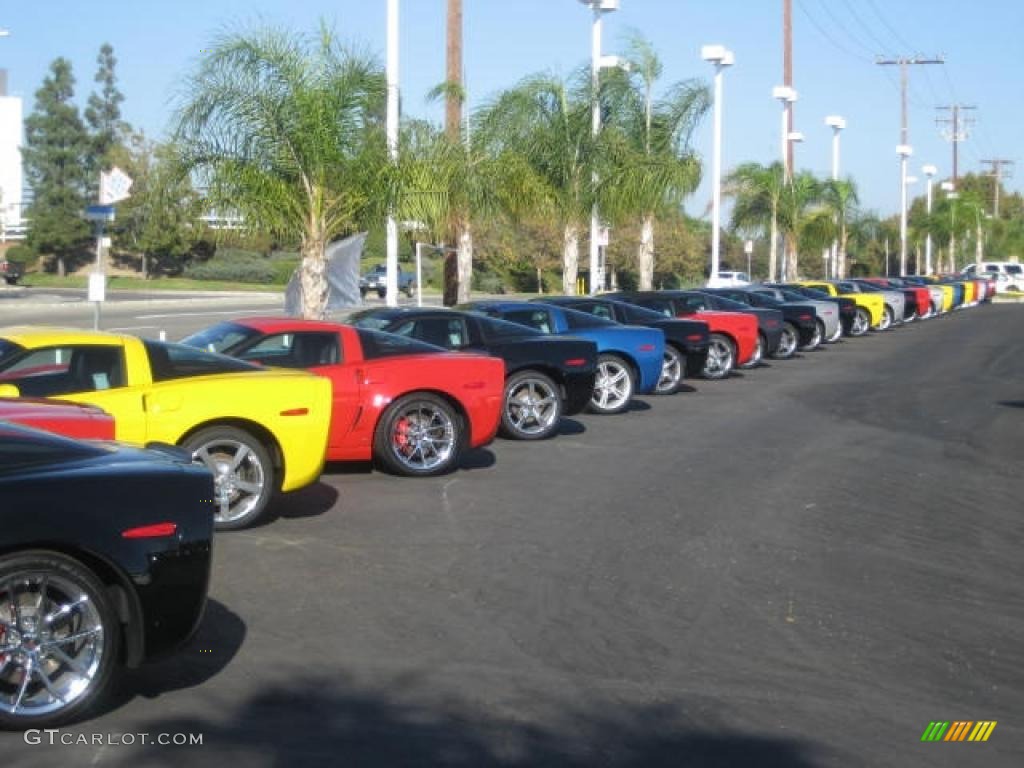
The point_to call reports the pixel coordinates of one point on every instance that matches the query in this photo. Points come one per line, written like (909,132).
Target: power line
(957,131)
(903,62)
(825,33)
(896,35)
(853,38)
(864,25)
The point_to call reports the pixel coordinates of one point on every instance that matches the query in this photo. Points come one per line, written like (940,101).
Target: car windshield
(845,287)
(22,446)
(577,320)
(640,315)
(8,349)
(1014,269)
(178,361)
(222,337)
(731,305)
(377,344)
(794,296)
(371,319)
(869,288)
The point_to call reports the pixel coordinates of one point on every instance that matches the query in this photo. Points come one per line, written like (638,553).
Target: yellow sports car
(258,430)
(871,306)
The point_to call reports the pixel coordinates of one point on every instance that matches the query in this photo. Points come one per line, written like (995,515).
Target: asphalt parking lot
(800,566)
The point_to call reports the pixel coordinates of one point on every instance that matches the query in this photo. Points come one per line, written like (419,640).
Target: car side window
(447,332)
(534,318)
(597,310)
(694,303)
(296,350)
(66,370)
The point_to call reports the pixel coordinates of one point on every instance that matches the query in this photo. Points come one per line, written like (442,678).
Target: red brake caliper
(402,434)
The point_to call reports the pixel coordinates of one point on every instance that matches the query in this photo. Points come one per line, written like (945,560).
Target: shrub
(21,254)
(239,270)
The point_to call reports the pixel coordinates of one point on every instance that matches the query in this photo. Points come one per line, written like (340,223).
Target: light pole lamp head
(904,150)
(929,170)
(947,186)
(718,55)
(4,32)
(611,61)
(835,122)
(795,136)
(605,6)
(911,180)
(784,93)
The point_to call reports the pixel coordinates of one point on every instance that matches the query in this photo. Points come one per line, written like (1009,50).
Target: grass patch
(39,280)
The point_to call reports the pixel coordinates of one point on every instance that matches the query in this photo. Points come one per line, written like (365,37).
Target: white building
(10,162)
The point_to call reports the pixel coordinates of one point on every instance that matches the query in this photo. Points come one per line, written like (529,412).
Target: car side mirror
(9,390)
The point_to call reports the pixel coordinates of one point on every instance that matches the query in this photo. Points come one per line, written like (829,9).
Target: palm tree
(647,164)
(802,219)
(757,193)
(287,132)
(840,198)
(545,121)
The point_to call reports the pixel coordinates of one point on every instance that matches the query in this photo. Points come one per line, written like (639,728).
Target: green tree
(287,132)
(757,194)
(161,219)
(55,153)
(841,200)
(103,113)
(546,121)
(649,166)
(803,219)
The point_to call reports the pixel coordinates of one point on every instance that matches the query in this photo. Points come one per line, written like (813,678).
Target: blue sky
(836,42)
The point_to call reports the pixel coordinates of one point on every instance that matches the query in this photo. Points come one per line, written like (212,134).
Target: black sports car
(545,376)
(104,560)
(686,341)
(801,316)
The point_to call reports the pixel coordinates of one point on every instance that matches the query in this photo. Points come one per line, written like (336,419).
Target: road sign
(114,186)
(100,213)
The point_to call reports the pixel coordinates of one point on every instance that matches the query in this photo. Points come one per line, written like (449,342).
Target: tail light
(772,323)
(575,362)
(806,317)
(154,531)
(695,337)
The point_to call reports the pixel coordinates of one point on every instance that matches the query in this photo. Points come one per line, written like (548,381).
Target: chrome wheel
(816,339)
(861,322)
(721,357)
(758,356)
(613,388)
(241,474)
(672,368)
(837,334)
(886,323)
(53,640)
(533,406)
(787,342)
(422,436)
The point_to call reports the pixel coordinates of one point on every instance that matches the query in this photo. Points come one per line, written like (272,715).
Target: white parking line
(249,311)
(132,328)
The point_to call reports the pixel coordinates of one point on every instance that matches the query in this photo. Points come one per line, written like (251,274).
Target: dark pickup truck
(376,280)
(10,271)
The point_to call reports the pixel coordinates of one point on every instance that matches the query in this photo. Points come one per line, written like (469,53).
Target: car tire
(721,357)
(48,584)
(381,293)
(886,322)
(837,335)
(614,386)
(413,425)
(788,342)
(672,369)
(816,339)
(243,474)
(408,291)
(758,356)
(531,408)
(861,322)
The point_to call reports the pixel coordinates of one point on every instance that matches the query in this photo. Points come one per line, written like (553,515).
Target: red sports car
(411,406)
(69,419)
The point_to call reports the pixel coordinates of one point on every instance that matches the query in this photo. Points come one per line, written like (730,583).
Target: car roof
(38,335)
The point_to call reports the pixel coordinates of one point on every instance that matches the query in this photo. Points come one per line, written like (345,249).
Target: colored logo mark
(958,730)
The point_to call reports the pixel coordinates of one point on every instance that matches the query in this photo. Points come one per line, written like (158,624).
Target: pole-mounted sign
(115,185)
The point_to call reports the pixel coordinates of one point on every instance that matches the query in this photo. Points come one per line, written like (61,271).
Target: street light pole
(721,57)
(929,172)
(837,124)
(391,275)
(904,151)
(786,96)
(599,8)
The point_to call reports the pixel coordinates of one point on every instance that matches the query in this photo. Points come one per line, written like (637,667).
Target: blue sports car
(629,357)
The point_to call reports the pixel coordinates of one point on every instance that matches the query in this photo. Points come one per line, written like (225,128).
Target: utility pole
(957,130)
(904,149)
(998,173)
(787,73)
(391,276)
(453,96)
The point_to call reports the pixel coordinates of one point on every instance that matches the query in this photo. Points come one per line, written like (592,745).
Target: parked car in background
(546,377)
(259,431)
(413,407)
(376,281)
(801,316)
(686,341)
(895,310)
(64,418)
(629,359)
(848,310)
(870,312)
(827,309)
(10,271)
(918,298)
(1012,271)
(728,279)
(733,339)
(104,561)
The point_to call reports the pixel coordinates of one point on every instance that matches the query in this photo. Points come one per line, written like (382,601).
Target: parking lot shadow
(311,501)
(327,722)
(1012,403)
(219,637)
(570,427)
(478,458)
